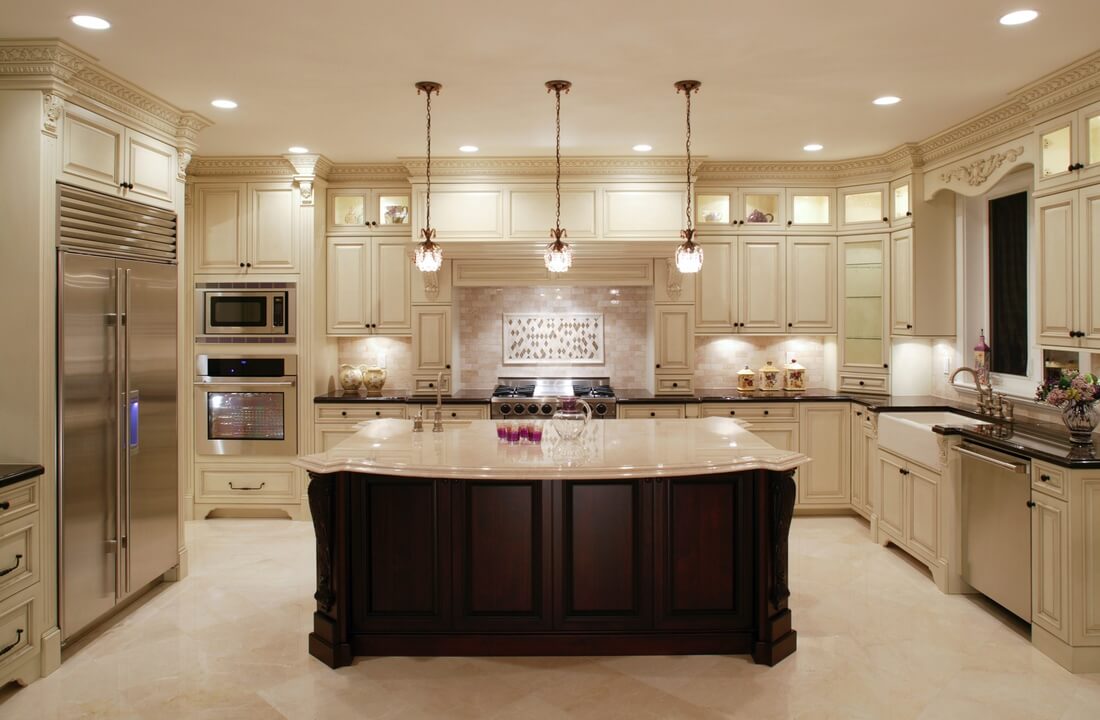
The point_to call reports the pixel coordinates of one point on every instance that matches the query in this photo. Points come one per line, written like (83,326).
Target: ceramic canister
(350,378)
(795,376)
(746,380)
(769,377)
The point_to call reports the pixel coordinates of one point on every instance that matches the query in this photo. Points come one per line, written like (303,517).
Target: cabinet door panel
(1057,281)
(400,552)
(648,214)
(1049,565)
(532,213)
(471,214)
(431,338)
(923,528)
(1089,263)
(602,554)
(762,284)
(892,489)
(859,468)
(391,276)
(151,169)
(675,340)
(220,212)
(702,537)
(272,244)
(811,284)
(502,556)
(91,150)
(348,286)
(824,435)
(715,288)
(901,282)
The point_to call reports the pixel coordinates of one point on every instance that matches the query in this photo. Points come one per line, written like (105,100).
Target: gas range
(541,397)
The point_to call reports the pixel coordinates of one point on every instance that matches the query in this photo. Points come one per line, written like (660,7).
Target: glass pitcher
(570,420)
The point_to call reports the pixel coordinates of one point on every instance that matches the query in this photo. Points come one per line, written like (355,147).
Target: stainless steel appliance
(996,526)
(245,309)
(246,405)
(541,397)
(117,379)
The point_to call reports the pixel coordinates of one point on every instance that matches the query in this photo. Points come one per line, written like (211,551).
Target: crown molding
(273,166)
(54,66)
(1064,84)
(368,172)
(490,167)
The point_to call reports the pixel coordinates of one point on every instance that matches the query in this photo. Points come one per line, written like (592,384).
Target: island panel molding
(535,338)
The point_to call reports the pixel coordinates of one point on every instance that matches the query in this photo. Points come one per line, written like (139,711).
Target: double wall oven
(246,405)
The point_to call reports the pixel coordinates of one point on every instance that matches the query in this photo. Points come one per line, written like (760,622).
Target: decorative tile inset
(542,338)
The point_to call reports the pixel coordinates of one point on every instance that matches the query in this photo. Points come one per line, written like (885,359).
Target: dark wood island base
(471,567)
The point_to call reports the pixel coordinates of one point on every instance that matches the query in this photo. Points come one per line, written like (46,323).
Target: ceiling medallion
(428,255)
(559,256)
(689,255)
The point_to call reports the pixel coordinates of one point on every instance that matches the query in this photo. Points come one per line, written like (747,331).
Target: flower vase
(1081,420)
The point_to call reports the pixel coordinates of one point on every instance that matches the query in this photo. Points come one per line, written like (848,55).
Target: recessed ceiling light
(223,104)
(642,148)
(813,147)
(297,149)
(90,22)
(1019,17)
(887,100)
(468,148)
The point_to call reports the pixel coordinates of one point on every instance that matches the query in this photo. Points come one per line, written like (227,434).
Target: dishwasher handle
(1018,468)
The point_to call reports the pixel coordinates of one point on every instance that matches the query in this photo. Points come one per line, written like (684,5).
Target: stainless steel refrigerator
(117,367)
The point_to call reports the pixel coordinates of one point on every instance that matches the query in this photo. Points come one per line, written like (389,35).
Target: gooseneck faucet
(991,404)
(437,424)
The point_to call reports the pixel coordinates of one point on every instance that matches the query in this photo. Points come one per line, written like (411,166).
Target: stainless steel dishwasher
(996,526)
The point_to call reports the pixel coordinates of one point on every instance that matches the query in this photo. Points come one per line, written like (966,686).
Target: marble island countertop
(620,449)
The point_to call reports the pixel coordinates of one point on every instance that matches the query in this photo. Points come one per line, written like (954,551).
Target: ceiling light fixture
(813,147)
(642,148)
(90,22)
(1019,17)
(297,149)
(468,148)
(223,104)
(559,256)
(689,256)
(428,255)
(887,100)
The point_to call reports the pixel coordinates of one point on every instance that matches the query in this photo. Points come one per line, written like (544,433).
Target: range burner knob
(601,409)
(546,409)
(519,408)
(505,408)
(533,409)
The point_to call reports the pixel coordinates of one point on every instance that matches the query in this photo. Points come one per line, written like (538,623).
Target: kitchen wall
(479,346)
(718,358)
(393,353)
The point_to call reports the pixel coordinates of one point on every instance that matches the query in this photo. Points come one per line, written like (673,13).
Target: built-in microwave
(245,310)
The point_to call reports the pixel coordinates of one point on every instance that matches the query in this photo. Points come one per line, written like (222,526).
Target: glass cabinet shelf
(761,207)
(1056,152)
(348,210)
(864,330)
(712,209)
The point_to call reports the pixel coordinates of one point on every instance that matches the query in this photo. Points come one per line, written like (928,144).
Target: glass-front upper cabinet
(901,204)
(377,210)
(811,208)
(864,345)
(713,208)
(1069,148)
(762,207)
(864,207)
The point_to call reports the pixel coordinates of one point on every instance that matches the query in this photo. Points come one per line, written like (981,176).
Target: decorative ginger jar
(769,377)
(795,376)
(746,380)
(350,378)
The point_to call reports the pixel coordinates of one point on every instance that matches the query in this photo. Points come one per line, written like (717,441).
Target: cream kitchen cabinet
(922,270)
(1050,556)
(742,286)
(1069,272)
(336,422)
(910,511)
(431,347)
(864,312)
(451,411)
(864,207)
(752,209)
(901,202)
(369,286)
(245,228)
(660,411)
(860,494)
(811,285)
(901,282)
(674,340)
(811,209)
(643,213)
(379,211)
(531,212)
(469,213)
(825,436)
(105,156)
(1069,148)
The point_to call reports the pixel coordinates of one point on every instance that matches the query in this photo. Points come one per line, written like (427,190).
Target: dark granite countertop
(13,473)
(405,396)
(1039,441)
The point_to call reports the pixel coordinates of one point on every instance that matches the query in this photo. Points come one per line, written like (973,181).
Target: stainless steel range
(541,397)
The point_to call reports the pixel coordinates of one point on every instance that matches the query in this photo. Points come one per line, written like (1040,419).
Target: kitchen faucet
(990,403)
(437,424)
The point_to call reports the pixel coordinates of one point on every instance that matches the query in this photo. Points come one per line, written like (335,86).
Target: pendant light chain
(558,256)
(557,156)
(689,255)
(428,171)
(687,145)
(428,256)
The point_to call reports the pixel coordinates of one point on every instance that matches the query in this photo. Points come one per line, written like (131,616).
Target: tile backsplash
(718,358)
(479,318)
(394,353)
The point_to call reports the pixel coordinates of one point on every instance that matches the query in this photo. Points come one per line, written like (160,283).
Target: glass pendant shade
(689,257)
(558,257)
(428,256)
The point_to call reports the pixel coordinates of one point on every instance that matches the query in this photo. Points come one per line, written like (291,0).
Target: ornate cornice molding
(55,66)
(368,172)
(978,171)
(273,166)
(544,166)
(1064,84)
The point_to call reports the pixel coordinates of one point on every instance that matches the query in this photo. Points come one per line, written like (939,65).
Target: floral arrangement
(1072,388)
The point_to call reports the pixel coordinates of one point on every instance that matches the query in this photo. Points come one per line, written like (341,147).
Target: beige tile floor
(876,640)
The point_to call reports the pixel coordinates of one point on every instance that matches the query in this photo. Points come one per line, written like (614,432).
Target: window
(1008,270)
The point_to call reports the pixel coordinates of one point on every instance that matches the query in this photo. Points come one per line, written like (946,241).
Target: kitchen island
(639,537)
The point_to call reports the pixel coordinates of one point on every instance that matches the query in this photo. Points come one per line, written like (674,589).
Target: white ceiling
(337,75)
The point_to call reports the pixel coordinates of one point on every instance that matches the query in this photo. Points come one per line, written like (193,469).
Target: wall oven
(245,310)
(246,405)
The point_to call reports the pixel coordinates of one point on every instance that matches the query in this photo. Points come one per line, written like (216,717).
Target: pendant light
(689,256)
(559,256)
(428,256)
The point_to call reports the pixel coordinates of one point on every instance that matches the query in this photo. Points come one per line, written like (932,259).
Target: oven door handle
(265,383)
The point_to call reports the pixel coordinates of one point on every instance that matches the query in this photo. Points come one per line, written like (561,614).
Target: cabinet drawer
(874,384)
(18,499)
(675,385)
(673,410)
(18,627)
(247,484)
(458,412)
(345,413)
(426,384)
(18,555)
(1048,479)
(756,412)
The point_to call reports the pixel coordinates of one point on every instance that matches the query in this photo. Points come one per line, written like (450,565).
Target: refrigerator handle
(129,438)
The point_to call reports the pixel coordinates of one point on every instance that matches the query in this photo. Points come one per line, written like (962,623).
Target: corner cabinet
(1068,226)
(922,267)
(864,313)
(369,286)
(102,155)
(245,228)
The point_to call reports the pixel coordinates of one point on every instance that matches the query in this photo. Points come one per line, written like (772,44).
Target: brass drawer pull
(6,571)
(18,637)
(261,486)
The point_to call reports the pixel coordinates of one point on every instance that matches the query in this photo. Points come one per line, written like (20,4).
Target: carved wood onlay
(188,194)
(52,105)
(944,446)
(183,158)
(675,283)
(977,172)
(322,507)
(873,416)
(305,189)
(783,491)
(54,65)
(431,284)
